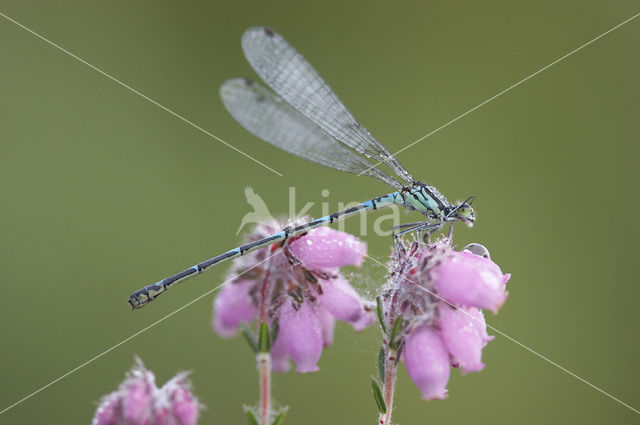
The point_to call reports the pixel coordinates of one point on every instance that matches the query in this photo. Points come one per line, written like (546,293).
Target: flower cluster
(299,293)
(139,402)
(438,294)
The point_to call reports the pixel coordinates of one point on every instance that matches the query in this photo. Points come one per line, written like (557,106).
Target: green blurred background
(103,192)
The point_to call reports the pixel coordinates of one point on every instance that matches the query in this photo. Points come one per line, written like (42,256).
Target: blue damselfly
(303,116)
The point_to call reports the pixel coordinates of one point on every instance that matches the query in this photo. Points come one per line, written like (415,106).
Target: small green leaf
(264,342)
(381,358)
(377,395)
(251,416)
(380,314)
(280,418)
(250,337)
(395,333)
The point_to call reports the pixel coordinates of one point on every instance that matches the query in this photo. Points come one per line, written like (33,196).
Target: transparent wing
(276,122)
(297,82)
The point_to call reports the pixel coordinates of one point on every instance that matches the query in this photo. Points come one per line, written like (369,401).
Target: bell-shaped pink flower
(139,402)
(303,270)
(464,333)
(341,300)
(469,279)
(300,336)
(324,248)
(232,307)
(427,361)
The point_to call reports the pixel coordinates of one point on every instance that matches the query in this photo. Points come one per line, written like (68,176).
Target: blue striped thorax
(428,201)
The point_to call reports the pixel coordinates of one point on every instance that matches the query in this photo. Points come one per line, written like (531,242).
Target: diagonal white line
(138,93)
(512,339)
(505,90)
(91,360)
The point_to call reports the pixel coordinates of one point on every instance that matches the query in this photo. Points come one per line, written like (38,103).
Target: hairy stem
(264,369)
(389,384)
(263,358)
(390,357)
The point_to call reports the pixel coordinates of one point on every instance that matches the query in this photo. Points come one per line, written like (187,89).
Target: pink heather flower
(184,405)
(300,336)
(139,390)
(341,300)
(464,333)
(139,402)
(427,362)
(279,356)
(232,307)
(325,247)
(301,287)
(109,411)
(364,321)
(327,323)
(438,292)
(469,279)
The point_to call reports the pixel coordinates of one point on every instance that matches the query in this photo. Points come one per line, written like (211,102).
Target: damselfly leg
(422,226)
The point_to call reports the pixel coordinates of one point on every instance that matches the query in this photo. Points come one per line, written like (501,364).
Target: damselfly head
(464,212)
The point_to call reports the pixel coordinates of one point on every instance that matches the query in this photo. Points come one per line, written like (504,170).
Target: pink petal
(184,405)
(232,306)
(464,333)
(328,324)
(340,299)
(279,356)
(427,362)
(108,411)
(468,279)
(301,336)
(138,392)
(325,247)
(367,318)
(164,416)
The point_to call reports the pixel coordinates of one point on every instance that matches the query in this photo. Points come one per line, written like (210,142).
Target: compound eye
(476,248)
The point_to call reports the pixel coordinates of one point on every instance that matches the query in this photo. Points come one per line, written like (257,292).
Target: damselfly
(306,118)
